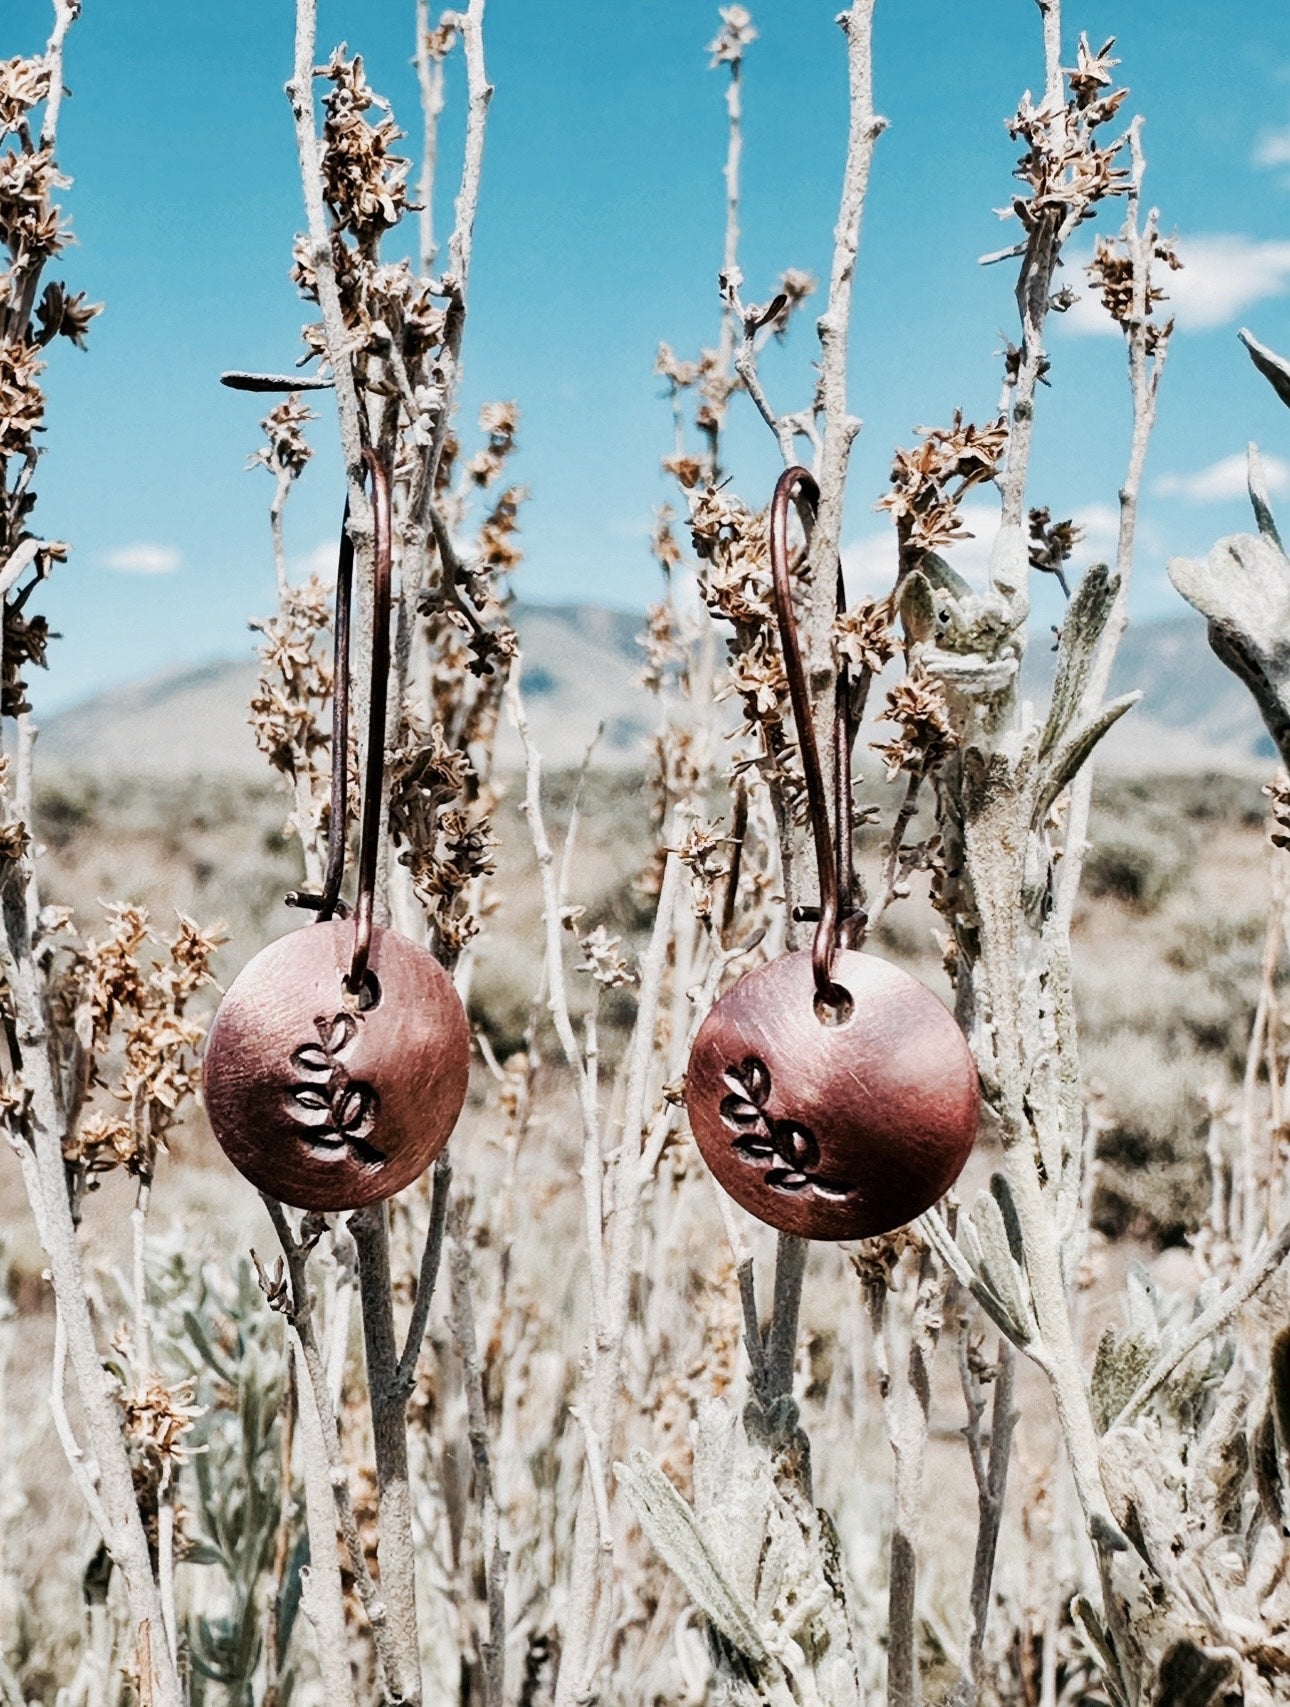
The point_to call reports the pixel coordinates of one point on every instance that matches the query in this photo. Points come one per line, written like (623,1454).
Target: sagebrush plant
(625,1461)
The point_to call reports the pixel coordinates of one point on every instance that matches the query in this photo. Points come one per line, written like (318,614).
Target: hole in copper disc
(369,992)
(836,1008)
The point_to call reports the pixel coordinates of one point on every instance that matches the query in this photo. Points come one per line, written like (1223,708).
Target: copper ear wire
(328,904)
(833,843)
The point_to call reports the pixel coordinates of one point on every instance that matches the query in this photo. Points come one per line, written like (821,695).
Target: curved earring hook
(328,904)
(369,843)
(833,843)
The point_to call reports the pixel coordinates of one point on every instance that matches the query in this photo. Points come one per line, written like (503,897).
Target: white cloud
(1222,275)
(1273,149)
(1222,480)
(144,558)
(870,561)
(1101,525)
(320,561)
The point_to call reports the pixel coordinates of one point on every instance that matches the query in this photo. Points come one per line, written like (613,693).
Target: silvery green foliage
(1199,1607)
(217,1329)
(1242,589)
(759,1560)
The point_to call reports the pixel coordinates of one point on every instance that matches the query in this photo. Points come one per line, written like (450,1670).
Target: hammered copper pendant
(337,1064)
(832,1127)
(831,1094)
(328,1100)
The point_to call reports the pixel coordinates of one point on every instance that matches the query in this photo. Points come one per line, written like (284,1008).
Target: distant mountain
(582,668)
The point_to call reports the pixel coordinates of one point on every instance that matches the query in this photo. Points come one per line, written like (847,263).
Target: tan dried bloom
(927,737)
(664,653)
(930,480)
(101,1142)
(736,34)
(159,1418)
(863,637)
(1112,272)
(500,423)
(25,642)
(60,315)
(22,402)
(24,83)
(680,375)
(108,970)
(15,840)
(363,181)
(29,223)
(1051,544)
(286,713)
(288,451)
(439,40)
(663,544)
(1065,167)
(794,287)
(687,470)
(601,959)
(1278,793)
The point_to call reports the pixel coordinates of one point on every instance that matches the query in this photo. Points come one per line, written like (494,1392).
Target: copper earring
(832,1094)
(337,1064)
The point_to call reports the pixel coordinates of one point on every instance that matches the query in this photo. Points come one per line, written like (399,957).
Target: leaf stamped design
(335,1114)
(760,1138)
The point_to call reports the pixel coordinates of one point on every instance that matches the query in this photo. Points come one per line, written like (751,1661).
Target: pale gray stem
(906,1402)
(493,1649)
(66,13)
(839,432)
(895,843)
(781,1336)
(300,1316)
(321,1590)
(834,328)
(46,1181)
(138,1231)
(586,1628)
(300,93)
(1144,383)
(280,493)
(430,84)
(730,251)
(992,1482)
(431,1254)
(396,1551)
(456,280)
(81,1471)
(558,998)
(1034,290)
(166,1563)
(1052,17)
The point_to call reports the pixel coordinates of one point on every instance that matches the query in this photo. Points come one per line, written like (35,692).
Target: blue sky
(599,235)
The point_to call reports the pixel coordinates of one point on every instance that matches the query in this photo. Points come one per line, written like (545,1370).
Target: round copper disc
(832,1131)
(328,1101)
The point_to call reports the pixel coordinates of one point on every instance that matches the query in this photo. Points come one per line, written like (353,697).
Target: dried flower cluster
(1113,272)
(287,451)
(136,1039)
(1066,168)
(927,737)
(929,482)
(290,714)
(736,34)
(1051,544)
(439,819)
(32,233)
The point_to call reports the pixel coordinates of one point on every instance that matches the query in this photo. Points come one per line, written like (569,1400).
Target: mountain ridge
(582,668)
